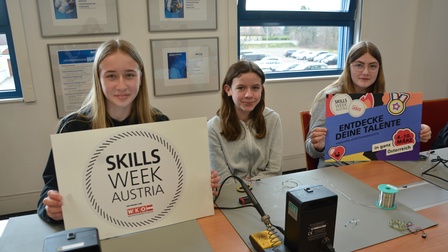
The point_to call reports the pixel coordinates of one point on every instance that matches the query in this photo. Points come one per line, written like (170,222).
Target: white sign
(133,178)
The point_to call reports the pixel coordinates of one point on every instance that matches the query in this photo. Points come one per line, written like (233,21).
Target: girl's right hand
(317,137)
(53,205)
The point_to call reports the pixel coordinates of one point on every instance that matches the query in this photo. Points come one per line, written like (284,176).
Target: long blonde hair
(94,106)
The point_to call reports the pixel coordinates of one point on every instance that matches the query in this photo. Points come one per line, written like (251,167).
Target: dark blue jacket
(442,139)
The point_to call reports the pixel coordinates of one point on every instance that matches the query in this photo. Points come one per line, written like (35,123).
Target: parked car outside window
(285,67)
(244,52)
(332,60)
(267,65)
(310,66)
(288,52)
(254,56)
(270,58)
(310,57)
(304,56)
(321,57)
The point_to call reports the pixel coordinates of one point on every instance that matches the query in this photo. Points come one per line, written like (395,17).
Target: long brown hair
(231,127)
(94,106)
(356,51)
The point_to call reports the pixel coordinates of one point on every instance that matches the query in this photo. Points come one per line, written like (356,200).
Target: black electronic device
(310,218)
(77,239)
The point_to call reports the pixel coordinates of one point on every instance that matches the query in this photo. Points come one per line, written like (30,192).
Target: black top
(442,139)
(71,123)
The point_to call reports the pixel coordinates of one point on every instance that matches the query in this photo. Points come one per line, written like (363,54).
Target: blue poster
(364,127)
(177,65)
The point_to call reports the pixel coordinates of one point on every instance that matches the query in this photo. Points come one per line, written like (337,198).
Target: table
(216,228)
(439,169)
(375,172)
(223,237)
(3,224)
(371,173)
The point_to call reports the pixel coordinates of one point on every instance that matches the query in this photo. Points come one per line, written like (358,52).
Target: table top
(223,237)
(375,172)
(432,169)
(3,224)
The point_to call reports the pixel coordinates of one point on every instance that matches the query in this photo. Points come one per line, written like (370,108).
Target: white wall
(410,33)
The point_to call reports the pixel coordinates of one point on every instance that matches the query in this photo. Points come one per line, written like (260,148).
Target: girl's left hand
(425,133)
(214,181)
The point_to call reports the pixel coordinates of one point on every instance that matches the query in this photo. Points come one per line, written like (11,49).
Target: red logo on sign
(337,152)
(404,137)
(140,210)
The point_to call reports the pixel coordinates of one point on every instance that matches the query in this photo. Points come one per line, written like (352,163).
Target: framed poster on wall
(71,69)
(182,66)
(71,18)
(181,15)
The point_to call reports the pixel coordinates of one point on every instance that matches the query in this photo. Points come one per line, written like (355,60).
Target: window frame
(5,28)
(347,21)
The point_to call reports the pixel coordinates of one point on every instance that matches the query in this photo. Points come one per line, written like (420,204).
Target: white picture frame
(191,15)
(71,70)
(184,66)
(60,18)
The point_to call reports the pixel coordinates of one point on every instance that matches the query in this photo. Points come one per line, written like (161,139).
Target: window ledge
(11,100)
(301,79)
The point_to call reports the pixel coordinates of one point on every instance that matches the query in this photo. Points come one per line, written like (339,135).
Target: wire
(438,160)
(402,225)
(417,229)
(350,199)
(264,217)
(279,229)
(231,208)
(246,190)
(326,245)
(220,187)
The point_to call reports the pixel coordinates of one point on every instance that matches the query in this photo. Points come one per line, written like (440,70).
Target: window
(9,79)
(309,37)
